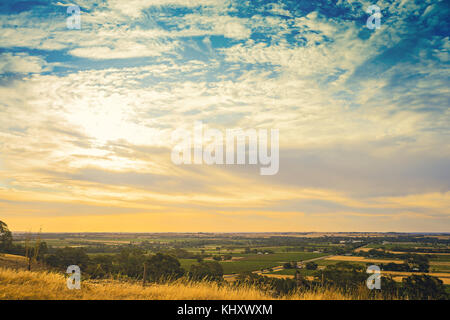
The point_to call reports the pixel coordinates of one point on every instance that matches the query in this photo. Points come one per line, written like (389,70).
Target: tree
(42,250)
(418,261)
(270,285)
(342,275)
(67,256)
(424,287)
(390,288)
(5,237)
(130,262)
(100,266)
(211,271)
(311,266)
(161,267)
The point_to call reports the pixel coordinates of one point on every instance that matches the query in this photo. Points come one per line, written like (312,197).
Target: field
(362,259)
(246,263)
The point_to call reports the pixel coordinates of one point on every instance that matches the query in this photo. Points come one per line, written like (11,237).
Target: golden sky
(86,116)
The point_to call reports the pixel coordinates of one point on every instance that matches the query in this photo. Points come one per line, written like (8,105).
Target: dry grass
(20,285)
(399,275)
(440,263)
(277,276)
(424,253)
(361,259)
(13,261)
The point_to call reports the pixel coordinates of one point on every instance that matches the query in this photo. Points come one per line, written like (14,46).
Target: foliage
(311,265)
(162,267)
(424,287)
(342,275)
(65,257)
(274,285)
(211,271)
(5,237)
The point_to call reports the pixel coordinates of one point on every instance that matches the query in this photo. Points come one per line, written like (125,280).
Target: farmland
(273,256)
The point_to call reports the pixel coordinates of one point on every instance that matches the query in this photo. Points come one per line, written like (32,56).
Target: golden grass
(440,263)
(431,253)
(361,259)
(278,276)
(400,278)
(22,285)
(13,257)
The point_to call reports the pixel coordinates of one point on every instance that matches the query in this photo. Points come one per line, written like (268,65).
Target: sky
(87,115)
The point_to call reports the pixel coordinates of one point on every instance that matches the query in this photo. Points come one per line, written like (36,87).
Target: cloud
(86,115)
(21,63)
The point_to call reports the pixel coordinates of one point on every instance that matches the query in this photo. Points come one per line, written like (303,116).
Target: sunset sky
(86,116)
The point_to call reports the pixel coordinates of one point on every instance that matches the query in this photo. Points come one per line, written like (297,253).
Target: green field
(441,258)
(256,262)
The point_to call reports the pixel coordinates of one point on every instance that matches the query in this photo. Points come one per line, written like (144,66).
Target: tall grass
(22,284)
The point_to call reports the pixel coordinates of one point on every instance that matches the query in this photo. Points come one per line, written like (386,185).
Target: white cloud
(21,63)
(133,8)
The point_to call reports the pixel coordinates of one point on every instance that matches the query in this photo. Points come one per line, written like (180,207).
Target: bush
(211,271)
(424,287)
(162,267)
(67,256)
(311,266)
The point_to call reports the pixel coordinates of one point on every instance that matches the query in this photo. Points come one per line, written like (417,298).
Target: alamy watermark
(74,21)
(212,146)
(374,21)
(374,281)
(74,280)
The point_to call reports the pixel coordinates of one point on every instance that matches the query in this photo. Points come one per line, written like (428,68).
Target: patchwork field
(257,262)
(261,254)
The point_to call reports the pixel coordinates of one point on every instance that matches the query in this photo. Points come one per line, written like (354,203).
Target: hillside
(21,284)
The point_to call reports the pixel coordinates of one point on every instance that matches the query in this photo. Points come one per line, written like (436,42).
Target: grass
(441,258)
(291,272)
(25,285)
(362,259)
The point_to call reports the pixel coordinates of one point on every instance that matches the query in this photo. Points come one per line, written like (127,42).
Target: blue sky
(86,115)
